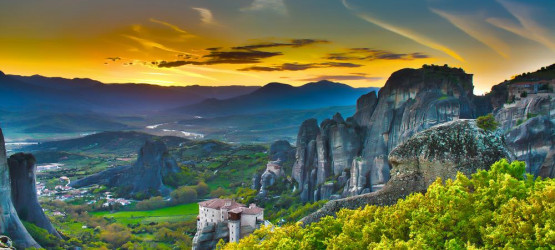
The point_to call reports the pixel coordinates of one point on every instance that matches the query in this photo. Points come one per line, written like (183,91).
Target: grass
(168,214)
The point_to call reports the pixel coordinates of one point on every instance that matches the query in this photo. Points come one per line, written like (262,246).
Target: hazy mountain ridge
(31,92)
(279,96)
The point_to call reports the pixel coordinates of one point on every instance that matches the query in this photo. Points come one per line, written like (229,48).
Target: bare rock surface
(146,175)
(10,224)
(439,152)
(24,191)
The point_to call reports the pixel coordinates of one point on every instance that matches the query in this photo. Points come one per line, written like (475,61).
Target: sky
(254,42)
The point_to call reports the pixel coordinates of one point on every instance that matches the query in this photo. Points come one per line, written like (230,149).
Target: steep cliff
(528,124)
(441,151)
(145,176)
(10,224)
(24,191)
(352,153)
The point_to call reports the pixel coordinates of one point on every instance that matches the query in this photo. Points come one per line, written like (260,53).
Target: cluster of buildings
(241,220)
(522,89)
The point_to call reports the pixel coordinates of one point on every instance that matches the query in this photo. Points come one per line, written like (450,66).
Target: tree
(219,192)
(487,122)
(202,189)
(183,195)
(152,203)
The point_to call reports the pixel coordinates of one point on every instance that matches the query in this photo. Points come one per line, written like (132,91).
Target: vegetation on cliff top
(497,208)
(487,122)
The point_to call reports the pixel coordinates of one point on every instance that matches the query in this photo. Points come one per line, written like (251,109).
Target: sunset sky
(253,42)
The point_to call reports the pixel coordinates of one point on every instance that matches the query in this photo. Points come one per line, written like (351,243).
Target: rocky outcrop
(532,142)
(441,151)
(145,176)
(281,150)
(529,129)
(281,154)
(24,192)
(10,224)
(512,115)
(411,100)
(210,235)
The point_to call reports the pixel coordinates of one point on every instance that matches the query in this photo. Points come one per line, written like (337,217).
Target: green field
(168,214)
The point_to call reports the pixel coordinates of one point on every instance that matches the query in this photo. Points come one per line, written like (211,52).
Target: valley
(137,186)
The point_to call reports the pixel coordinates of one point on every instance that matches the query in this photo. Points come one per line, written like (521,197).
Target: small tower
(234,224)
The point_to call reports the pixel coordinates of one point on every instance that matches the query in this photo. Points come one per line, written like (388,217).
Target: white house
(241,220)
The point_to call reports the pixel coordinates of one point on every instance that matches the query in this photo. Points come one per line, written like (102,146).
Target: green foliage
(219,192)
(183,195)
(499,208)
(42,236)
(530,115)
(487,122)
(152,203)
(202,189)
(524,94)
(245,195)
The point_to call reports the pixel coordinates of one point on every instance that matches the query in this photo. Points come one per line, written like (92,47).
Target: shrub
(487,122)
(152,203)
(115,235)
(498,208)
(202,189)
(183,195)
(42,236)
(219,192)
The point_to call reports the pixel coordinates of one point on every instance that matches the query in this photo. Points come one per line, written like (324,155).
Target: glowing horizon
(254,42)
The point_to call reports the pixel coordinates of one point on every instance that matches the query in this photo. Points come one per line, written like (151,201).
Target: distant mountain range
(28,93)
(279,96)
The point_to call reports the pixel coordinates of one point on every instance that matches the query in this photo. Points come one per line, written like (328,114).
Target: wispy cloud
(351,77)
(276,6)
(526,27)
(474,26)
(171,26)
(151,44)
(205,15)
(294,43)
(369,54)
(301,66)
(223,57)
(416,37)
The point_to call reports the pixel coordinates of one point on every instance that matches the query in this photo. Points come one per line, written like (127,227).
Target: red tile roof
(221,203)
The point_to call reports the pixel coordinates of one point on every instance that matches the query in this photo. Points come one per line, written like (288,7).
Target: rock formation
(529,129)
(352,153)
(441,151)
(281,154)
(10,224)
(145,176)
(209,236)
(24,191)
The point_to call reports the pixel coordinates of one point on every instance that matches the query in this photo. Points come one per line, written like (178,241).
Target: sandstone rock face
(509,115)
(153,162)
(411,100)
(281,150)
(529,129)
(24,192)
(441,151)
(280,154)
(532,142)
(210,235)
(10,224)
